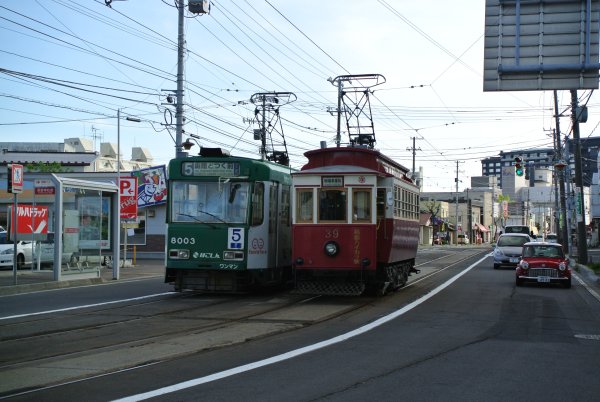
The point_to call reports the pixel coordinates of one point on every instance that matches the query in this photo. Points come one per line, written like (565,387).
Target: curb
(587,273)
(38,287)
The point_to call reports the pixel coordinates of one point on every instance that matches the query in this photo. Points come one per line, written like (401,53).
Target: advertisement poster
(94,223)
(152,186)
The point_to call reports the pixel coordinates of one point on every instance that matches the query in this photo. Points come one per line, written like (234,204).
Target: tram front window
(332,205)
(209,202)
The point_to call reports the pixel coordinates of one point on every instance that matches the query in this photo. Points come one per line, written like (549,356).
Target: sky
(67,66)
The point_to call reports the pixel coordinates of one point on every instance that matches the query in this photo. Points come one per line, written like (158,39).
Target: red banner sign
(32,219)
(129,194)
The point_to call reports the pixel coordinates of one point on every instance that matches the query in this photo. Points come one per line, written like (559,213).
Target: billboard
(152,186)
(31,219)
(541,45)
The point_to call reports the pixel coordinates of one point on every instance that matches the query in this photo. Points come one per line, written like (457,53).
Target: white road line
(60,310)
(300,351)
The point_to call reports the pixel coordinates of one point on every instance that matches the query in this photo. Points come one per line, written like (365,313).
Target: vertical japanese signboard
(128,194)
(15,178)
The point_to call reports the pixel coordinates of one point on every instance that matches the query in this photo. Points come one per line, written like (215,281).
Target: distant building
(78,160)
(74,155)
(503,165)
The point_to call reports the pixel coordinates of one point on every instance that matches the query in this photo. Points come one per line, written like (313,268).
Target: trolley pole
(338,137)
(580,202)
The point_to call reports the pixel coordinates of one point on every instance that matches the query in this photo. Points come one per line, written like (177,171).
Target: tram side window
(361,206)
(304,208)
(332,205)
(258,201)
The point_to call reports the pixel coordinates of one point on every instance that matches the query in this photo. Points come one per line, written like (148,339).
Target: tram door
(284,230)
(273,224)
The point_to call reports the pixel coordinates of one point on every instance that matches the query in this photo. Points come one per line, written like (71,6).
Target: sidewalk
(35,281)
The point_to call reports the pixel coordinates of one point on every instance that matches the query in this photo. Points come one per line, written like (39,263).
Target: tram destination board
(222,169)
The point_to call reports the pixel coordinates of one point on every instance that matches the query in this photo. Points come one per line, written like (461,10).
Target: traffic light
(518,166)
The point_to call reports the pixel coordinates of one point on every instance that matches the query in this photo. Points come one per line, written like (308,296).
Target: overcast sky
(68,65)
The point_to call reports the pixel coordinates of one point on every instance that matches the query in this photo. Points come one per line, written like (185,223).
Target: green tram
(228,223)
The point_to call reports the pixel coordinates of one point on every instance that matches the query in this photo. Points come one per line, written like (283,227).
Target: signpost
(128,210)
(15,186)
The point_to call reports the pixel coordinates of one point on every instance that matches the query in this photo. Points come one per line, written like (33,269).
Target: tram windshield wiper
(195,218)
(213,215)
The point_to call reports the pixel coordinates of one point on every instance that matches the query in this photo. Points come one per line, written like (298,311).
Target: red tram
(355,222)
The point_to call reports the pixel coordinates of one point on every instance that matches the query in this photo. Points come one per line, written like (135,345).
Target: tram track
(201,329)
(216,324)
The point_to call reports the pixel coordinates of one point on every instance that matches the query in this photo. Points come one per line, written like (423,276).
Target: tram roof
(340,169)
(351,159)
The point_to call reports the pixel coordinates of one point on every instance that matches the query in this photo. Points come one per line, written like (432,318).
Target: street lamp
(117,257)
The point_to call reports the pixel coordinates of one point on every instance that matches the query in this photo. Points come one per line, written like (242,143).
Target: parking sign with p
(128,194)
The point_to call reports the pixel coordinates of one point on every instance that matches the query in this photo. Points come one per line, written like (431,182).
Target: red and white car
(543,262)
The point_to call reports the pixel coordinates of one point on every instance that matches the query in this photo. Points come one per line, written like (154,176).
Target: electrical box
(199,6)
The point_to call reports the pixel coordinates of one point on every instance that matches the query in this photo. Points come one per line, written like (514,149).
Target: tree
(433,208)
(47,167)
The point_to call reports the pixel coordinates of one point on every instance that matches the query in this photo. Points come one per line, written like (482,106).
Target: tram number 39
(183,240)
(332,234)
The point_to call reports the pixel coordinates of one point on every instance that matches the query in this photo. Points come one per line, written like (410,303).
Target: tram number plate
(514,260)
(544,279)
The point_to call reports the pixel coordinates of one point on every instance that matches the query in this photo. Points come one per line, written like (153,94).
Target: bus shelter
(87,214)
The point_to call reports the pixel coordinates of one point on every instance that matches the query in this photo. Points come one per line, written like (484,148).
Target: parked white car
(7,252)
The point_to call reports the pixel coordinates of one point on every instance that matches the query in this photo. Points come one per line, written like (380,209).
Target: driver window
(332,205)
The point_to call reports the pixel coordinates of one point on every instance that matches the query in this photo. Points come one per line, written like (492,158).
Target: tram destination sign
(332,181)
(220,169)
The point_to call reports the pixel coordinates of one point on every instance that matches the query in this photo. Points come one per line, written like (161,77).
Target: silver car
(509,249)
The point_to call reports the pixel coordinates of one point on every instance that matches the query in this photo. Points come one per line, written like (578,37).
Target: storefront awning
(480,227)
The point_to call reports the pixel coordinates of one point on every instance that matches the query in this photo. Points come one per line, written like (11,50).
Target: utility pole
(456,227)
(582,251)
(179,153)
(414,152)
(563,233)
(338,136)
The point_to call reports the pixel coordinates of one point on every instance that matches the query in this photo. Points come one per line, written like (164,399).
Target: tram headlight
(233,255)
(332,248)
(179,254)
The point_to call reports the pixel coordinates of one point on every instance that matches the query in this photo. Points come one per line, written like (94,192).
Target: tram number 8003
(183,240)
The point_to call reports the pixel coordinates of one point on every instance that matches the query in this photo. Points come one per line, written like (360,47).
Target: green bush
(595,266)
